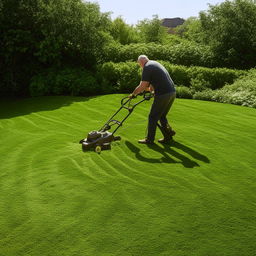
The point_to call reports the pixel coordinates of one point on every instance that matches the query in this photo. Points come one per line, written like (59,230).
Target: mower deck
(101,139)
(98,141)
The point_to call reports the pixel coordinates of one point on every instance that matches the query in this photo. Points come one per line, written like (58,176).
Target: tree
(230,30)
(37,34)
(152,30)
(191,29)
(18,33)
(122,32)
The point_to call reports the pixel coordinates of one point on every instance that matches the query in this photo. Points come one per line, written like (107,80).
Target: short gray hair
(143,58)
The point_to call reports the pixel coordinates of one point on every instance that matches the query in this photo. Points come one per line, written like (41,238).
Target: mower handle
(130,107)
(146,96)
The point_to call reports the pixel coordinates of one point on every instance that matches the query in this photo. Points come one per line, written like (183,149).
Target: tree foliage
(191,29)
(230,29)
(152,30)
(41,35)
(37,34)
(122,32)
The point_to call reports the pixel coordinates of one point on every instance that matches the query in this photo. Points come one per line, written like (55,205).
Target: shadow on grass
(168,152)
(12,107)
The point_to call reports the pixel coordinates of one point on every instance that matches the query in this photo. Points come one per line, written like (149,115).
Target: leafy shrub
(204,95)
(124,76)
(201,77)
(191,54)
(108,76)
(184,53)
(184,92)
(178,73)
(199,84)
(119,77)
(241,92)
(216,77)
(244,98)
(129,77)
(68,81)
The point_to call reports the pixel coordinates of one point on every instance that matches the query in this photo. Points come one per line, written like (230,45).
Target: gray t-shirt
(156,74)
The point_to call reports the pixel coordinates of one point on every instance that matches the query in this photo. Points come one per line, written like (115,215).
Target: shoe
(172,132)
(168,138)
(145,141)
(165,140)
(167,131)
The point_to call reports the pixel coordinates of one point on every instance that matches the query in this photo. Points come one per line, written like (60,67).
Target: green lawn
(196,197)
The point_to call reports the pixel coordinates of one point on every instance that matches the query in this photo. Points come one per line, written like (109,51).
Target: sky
(134,10)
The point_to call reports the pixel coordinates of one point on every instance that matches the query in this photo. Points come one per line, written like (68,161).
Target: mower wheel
(117,138)
(98,149)
(106,146)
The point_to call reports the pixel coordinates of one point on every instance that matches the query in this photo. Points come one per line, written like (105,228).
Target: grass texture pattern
(195,197)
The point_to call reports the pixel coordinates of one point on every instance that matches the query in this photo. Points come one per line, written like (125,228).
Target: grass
(196,197)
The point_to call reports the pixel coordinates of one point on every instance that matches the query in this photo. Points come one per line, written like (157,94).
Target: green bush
(244,98)
(184,92)
(200,77)
(39,85)
(204,95)
(241,92)
(199,84)
(68,81)
(215,77)
(119,77)
(124,76)
(184,53)
(178,73)
(108,76)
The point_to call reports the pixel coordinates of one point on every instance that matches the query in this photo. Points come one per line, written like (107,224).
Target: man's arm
(140,88)
(151,88)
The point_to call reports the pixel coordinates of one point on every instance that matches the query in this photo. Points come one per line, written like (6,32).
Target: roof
(172,22)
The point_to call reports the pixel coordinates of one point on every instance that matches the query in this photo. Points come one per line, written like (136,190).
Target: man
(155,78)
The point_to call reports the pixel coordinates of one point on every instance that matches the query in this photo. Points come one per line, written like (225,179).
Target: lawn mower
(102,138)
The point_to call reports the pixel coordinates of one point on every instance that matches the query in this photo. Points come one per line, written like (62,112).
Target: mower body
(101,139)
(98,140)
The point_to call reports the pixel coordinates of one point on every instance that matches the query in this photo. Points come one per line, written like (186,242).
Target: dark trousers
(158,112)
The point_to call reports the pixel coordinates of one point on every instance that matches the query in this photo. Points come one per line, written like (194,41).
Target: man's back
(158,76)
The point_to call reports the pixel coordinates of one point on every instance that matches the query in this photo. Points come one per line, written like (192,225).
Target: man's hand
(141,87)
(132,96)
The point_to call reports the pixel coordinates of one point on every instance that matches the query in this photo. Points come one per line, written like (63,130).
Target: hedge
(124,76)
(241,92)
(217,84)
(181,54)
(66,81)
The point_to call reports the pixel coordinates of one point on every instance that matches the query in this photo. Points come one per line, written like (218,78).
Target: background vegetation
(62,47)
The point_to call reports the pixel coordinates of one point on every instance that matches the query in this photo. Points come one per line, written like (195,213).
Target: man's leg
(163,120)
(159,107)
(165,128)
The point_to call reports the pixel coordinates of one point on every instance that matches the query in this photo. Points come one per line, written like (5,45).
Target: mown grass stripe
(194,197)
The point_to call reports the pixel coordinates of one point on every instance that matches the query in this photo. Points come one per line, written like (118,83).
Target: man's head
(142,60)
